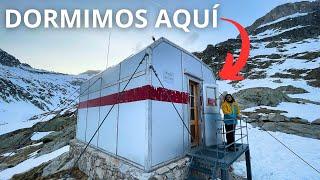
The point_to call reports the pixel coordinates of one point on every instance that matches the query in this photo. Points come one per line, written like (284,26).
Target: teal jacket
(230,112)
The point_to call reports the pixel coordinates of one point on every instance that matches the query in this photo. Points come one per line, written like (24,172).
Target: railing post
(224,174)
(248,165)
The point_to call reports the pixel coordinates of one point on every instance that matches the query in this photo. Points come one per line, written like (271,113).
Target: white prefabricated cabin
(143,128)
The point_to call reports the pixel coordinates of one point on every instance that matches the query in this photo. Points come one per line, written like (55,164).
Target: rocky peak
(286,10)
(8,60)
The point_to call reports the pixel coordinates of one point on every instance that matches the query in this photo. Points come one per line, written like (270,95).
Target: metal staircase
(213,162)
(201,169)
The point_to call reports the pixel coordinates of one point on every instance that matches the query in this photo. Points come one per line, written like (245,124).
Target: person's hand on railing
(239,117)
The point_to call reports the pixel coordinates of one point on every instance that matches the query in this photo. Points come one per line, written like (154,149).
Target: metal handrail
(223,119)
(243,133)
(242,127)
(235,141)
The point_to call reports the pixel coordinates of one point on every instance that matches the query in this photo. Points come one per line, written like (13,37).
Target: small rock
(157,177)
(299,120)
(172,165)
(277,117)
(100,173)
(263,118)
(162,170)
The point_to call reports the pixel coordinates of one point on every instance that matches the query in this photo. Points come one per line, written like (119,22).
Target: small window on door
(211,96)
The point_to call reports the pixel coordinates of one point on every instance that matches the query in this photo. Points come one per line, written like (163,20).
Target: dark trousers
(230,135)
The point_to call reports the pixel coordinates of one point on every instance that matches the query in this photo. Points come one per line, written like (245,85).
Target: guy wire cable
(184,124)
(131,77)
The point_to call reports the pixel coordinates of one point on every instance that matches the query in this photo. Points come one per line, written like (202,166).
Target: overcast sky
(74,51)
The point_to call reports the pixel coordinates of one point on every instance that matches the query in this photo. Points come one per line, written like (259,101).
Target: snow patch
(31,163)
(13,115)
(274,32)
(9,154)
(39,135)
(291,64)
(283,18)
(32,145)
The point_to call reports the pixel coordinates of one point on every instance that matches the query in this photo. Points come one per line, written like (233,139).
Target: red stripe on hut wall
(138,94)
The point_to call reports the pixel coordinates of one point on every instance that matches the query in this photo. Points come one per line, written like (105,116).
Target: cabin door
(194,97)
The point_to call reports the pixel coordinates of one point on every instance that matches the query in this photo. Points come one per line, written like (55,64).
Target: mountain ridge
(294,37)
(285,10)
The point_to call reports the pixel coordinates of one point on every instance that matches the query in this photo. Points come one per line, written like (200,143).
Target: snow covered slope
(285,52)
(270,160)
(25,92)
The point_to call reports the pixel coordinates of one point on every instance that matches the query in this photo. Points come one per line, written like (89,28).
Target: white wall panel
(81,120)
(81,124)
(208,76)
(95,84)
(167,132)
(92,120)
(83,98)
(108,131)
(129,65)
(111,75)
(94,95)
(92,124)
(211,125)
(191,65)
(166,60)
(84,88)
(134,83)
(110,90)
(132,139)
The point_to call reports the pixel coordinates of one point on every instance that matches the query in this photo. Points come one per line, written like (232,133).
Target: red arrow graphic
(231,69)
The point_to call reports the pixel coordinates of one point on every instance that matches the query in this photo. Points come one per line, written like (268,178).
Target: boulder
(268,111)
(300,129)
(291,89)
(261,96)
(61,162)
(274,117)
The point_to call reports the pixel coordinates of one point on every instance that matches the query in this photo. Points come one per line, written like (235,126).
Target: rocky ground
(18,145)
(275,120)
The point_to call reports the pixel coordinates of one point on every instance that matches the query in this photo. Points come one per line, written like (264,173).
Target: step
(201,169)
(203,162)
(196,174)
